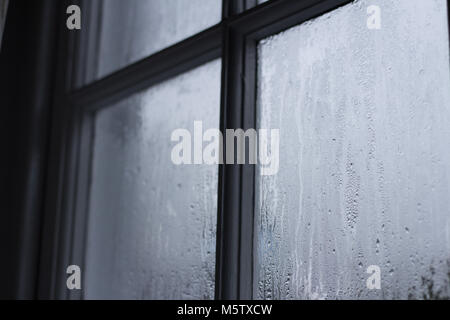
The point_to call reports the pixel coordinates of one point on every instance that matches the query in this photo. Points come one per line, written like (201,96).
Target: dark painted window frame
(234,39)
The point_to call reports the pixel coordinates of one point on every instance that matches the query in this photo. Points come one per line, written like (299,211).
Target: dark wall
(27,68)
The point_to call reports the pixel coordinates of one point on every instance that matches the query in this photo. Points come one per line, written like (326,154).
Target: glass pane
(364,174)
(152,224)
(133,29)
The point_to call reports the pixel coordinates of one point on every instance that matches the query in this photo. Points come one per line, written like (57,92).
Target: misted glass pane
(362,100)
(152,224)
(133,29)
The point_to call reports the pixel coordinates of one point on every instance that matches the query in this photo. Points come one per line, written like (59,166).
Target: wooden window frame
(234,40)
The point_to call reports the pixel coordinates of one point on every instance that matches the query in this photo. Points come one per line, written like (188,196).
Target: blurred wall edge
(27,60)
(3,9)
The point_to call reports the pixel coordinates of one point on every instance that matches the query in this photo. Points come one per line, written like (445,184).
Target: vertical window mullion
(235,208)
(247,171)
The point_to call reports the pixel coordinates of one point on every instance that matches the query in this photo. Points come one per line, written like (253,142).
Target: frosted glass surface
(134,29)
(364,155)
(152,224)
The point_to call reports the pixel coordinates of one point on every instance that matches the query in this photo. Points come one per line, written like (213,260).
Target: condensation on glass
(152,224)
(133,29)
(364,173)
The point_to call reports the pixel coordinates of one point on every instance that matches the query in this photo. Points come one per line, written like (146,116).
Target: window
(363,171)
(152,224)
(364,165)
(128,31)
